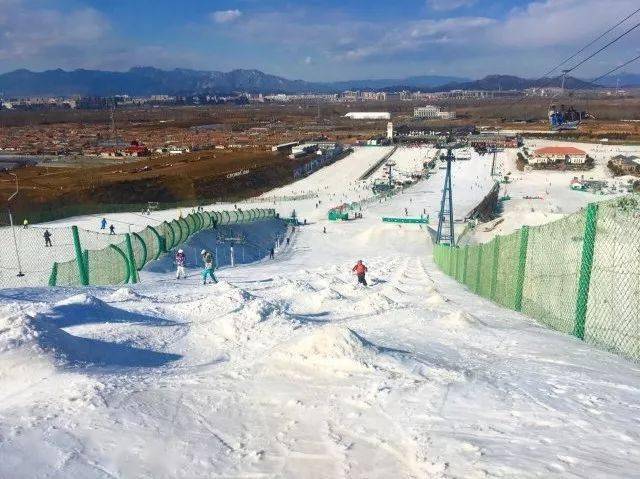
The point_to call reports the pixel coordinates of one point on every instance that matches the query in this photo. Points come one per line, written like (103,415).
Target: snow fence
(579,275)
(76,257)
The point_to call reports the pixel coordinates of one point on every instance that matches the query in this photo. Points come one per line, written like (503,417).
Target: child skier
(209,267)
(103,224)
(360,269)
(181,260)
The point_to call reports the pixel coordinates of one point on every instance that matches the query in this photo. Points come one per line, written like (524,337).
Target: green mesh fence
(579,275)
(70,256)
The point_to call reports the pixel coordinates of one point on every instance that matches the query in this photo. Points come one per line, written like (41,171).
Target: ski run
(287,368)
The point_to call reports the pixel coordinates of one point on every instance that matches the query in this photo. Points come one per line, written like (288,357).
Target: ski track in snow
(288,368)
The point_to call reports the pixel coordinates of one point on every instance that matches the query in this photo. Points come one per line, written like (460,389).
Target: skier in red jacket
(360,270)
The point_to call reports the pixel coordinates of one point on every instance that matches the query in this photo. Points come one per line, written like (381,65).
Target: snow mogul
(360,270)
(181,260)
(207,259)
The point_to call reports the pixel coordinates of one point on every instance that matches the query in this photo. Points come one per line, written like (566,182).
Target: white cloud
(226,16)
(308,60)
(446,5)
(26,32)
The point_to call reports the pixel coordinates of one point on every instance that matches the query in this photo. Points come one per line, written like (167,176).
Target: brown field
(201,175)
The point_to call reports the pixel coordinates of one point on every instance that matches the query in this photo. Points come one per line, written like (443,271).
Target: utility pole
(493,162)
(445,233)
(13,227)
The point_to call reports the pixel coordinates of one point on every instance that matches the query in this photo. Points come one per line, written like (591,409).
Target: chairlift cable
(603,48)
(616,69)
(591,43)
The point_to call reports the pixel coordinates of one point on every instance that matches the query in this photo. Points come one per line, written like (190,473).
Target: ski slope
(287,368)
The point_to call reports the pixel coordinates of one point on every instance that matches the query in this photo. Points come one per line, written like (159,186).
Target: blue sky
(312,40)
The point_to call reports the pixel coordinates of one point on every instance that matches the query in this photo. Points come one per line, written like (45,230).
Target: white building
(431,112)
(555,154)
(368,115)
(390,131)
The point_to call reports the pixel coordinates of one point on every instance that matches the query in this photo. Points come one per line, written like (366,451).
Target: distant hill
(625,80)
(509,82)
(144,81)
(425,81)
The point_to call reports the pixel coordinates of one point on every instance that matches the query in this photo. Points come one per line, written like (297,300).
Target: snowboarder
(360,269)
(112,230)
(103,224)
(272,253)
(47,238)
(181,260)
(207,259)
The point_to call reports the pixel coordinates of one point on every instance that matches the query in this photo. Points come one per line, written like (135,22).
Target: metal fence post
(494,267)
(522,262)
(477,278)
(54,275)
(132,259)
(82,267)
(590,223)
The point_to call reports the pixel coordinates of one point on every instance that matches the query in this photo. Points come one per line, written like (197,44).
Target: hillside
(142,81)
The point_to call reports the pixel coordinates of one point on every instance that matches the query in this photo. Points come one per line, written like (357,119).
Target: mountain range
(143,81)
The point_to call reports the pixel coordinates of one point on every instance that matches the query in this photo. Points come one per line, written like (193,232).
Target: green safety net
(579,274)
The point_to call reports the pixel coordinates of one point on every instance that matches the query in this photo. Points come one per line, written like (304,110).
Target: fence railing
(579,275)
(74,256)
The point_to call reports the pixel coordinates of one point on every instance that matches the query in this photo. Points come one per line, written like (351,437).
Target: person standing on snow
(103,224)
(272,253)
(47,238)
(181,260)
(112,230)
(360,269)
(209,267)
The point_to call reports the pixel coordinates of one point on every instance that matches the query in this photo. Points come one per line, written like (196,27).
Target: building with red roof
(558,154)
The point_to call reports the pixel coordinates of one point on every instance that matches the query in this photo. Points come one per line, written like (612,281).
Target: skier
(360,269)
(112,230)
(207,259)
(25,223)
(288,240)
(324,230)
(181,260)
(47,238)
(103,224)
(272,253)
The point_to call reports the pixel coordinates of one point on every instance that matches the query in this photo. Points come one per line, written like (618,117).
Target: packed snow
(288,368)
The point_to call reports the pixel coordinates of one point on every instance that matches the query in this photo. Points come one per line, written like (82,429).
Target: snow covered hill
(287,368)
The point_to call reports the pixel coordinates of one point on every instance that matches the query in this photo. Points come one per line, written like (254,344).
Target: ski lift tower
(445,233)
(390,164)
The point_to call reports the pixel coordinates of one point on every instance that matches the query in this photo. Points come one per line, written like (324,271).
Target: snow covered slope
(287,368)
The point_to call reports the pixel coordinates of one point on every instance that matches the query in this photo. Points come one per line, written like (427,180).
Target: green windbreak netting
(139,250)
(554,254)
(613,308)
(473,267)
(67,274)
(505,289)
(486,270)
(579,274)
(205,220)
(108,265)
(69,256)
(177,229)
(186,229)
